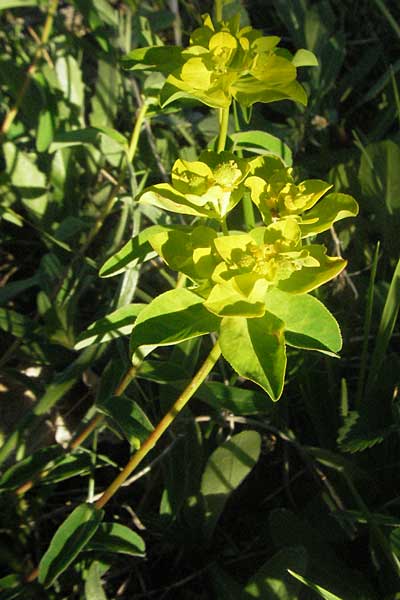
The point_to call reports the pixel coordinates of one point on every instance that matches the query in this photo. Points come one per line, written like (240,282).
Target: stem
(248,208)
(136,132)
(223,128)
(163,425)
(224,226)
(48,25)
(218,10)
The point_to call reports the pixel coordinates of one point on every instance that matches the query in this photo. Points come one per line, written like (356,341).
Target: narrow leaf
(313,586)
(114,325)
(116,538)
(68,541)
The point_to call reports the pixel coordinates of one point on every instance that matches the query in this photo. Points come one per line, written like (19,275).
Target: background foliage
(241,489)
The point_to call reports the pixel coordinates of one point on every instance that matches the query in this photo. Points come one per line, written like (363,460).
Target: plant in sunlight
(250,288)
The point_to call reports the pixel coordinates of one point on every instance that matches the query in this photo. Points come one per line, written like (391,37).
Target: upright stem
(218,10)
(248,209)
(223,128)
(136,131)
(162,426)
(48,25)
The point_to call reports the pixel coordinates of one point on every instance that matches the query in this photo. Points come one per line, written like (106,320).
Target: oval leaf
(256,350)
(226,468)
(173,317)
(308,323)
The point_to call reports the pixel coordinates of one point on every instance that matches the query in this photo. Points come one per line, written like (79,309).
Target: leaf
(261,142)
(356,433)
(136,250)
(234,399)
(68,541)
(378,173)
(116,538)
(304,58)
(70,78)
(71,465)
(386,328)
(163,59)
(173,317)
(308,323)
(30,466)
(116,324)
(262,355)
(323,215)
(26,177)
(225,470)
(86,136)
(17,324)
(272,580)
(129,418)
(313,586)
(17,3)
(93,586)
(308,279)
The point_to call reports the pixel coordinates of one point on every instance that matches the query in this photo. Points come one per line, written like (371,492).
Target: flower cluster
(224,62)
(234,272)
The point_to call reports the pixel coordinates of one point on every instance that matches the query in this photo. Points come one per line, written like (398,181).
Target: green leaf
(323,215)
(93,586)
(26,177)
(304,58)
(308,323)
(136,250)
(386,328)
(129,418)
(30,466)
(313,586)
(16,324)
(262,355)
(225,470)
(68,541)
(234,399)
(171,318)
(70,79)
(379,174)
(86,136)
(116,538)
(71,465)
(116,324)
(17,3)
(272,580)
(261,142)
(308,279)
(163,59)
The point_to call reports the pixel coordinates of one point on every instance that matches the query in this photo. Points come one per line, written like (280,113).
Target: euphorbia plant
(250,288)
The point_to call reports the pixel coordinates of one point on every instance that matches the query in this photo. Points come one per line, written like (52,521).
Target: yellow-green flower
(275,193)
(209,187)
(225,62)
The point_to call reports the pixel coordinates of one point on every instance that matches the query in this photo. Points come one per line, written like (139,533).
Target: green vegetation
(178,225)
